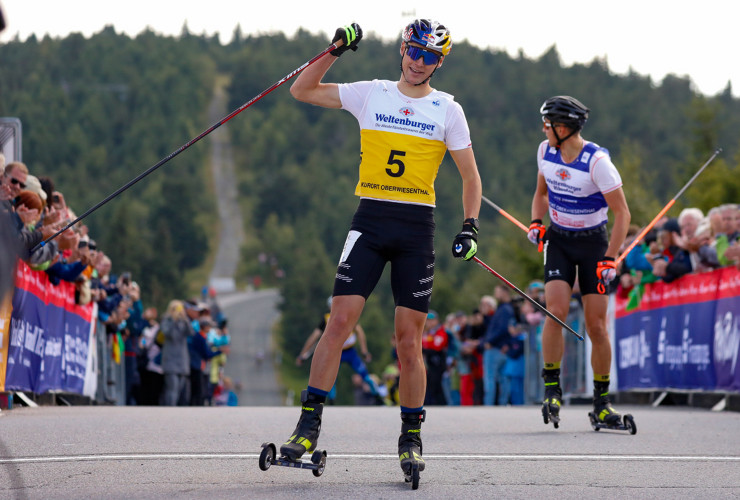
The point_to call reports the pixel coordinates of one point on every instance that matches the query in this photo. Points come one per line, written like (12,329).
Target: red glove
(606,270)
(536,233)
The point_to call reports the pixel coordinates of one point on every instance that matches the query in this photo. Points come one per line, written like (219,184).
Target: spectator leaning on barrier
(673,261)
(9,244)
(15,175)
(13,181)
(727,237)
(701,252)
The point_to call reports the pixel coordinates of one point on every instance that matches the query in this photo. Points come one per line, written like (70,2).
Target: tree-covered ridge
(99,111)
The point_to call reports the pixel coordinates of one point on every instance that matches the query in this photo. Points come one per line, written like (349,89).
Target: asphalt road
(252,316)
(231,234)
(474,452)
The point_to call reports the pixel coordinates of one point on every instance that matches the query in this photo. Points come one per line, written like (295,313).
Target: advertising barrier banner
(50,336)
(683,335)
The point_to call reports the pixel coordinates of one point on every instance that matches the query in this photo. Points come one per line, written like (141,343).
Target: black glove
(350,37)
(466,242)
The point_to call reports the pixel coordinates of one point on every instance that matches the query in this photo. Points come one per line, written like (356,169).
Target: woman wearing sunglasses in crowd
(406,128)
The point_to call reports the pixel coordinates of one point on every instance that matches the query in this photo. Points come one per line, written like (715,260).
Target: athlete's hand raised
(350,37)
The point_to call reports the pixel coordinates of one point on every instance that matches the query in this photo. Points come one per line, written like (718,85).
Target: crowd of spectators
(477,358)
(188,348)
(693,242)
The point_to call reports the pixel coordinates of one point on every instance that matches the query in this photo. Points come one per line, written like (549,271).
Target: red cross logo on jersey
(563,174)
(406,111)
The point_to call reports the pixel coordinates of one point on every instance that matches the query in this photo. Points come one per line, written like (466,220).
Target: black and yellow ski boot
(553,397)
(603,411)
(605,416)
(410,448)
(305,437)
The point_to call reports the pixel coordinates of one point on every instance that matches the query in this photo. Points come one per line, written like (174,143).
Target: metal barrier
(111,375)
(573,378)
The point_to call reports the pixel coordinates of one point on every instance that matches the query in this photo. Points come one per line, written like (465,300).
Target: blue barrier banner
(49,336)
(683,335)
(727,342)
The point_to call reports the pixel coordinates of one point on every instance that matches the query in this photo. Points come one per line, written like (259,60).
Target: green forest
(99,111)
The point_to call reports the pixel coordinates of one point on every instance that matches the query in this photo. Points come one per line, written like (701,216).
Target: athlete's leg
(412,385)
(594,309)
(345,313)
(413,380)
(557,299)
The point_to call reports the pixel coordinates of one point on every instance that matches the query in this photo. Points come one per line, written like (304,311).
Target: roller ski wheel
(551,413)
(319,460)
(412,476)
(627,423)
(268,457)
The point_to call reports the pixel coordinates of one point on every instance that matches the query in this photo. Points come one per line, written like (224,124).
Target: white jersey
(403,139)
(575,190)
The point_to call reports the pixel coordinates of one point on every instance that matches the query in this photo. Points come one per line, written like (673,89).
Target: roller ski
(410,448)
(304,439)
(553,398)
(606,417)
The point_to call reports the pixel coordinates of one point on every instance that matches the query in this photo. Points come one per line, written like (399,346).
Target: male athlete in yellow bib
(406,128)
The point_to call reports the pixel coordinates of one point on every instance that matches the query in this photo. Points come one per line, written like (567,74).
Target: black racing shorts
(568,253)
(382,232)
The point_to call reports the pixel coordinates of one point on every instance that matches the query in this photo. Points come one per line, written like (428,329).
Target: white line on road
(491,457)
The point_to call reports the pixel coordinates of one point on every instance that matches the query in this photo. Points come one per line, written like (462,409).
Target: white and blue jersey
(576,190)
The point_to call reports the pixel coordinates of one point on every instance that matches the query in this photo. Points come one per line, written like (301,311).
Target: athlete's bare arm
(539,200)
(471,184)
(618,205)
(309,88)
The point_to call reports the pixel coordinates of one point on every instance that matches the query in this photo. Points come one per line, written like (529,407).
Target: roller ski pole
(553,397)
(410,448)
(606,417)
(304,439)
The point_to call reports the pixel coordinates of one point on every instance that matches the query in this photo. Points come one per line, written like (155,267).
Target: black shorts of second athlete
(568,253)
(382,232)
